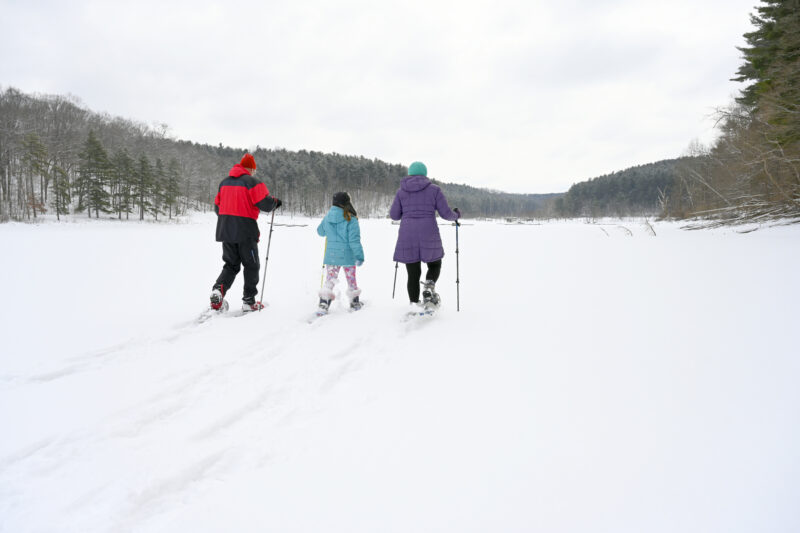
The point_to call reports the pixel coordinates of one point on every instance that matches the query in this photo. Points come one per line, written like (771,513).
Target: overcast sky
(521,96)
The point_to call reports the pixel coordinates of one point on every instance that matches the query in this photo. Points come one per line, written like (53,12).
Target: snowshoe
(248,306)
(220,309)
(324,306)
(322,310)
(218,302)
(430,298)
(416,309)
(356,304)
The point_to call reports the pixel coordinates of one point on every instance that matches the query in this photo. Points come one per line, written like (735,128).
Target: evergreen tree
(95,175)
(142,185)
(172,186)
(751,171)
(779,102)
(61,191)
(124,174)
(157,189)
(763,48)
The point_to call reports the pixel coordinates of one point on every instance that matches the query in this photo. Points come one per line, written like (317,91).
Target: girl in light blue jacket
(342,249)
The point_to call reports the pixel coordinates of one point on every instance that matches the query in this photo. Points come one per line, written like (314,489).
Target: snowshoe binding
(323,307)
(430,298)
(218,302)
(251,305)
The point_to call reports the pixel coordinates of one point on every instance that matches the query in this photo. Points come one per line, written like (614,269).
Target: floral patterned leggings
(332,276)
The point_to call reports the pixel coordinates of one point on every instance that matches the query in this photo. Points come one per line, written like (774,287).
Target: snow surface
(597,378)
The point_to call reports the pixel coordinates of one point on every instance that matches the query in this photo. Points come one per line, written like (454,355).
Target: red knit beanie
(248,161)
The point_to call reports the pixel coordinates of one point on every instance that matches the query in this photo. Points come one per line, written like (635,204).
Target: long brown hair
(349,212)
(342,199)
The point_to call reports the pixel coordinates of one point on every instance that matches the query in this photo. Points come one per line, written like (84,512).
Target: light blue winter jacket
(344,238)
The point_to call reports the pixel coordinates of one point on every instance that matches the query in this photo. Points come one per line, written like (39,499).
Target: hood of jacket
(335,215)
(414,183)
(238,171)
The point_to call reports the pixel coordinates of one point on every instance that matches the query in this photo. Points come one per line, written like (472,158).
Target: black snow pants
(236,255)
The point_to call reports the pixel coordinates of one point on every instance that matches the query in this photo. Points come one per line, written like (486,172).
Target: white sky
(522,96)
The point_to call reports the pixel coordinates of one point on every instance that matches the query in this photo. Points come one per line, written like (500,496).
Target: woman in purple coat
(415,206)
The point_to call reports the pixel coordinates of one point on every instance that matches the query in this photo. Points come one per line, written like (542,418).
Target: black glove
(456,211)
(278,202)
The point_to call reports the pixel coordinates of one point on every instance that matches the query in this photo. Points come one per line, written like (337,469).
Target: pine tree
(751,171)
(779,103)
(95,171)
(61,191)
(157,189)
(763,48)
(124,174)
(775,118)
(172,186)
(142,185)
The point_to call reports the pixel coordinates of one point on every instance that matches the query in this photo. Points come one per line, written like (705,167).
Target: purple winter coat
(415,205)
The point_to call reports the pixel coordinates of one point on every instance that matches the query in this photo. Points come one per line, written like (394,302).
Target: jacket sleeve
(396,211)
(321,228)
(444,210)
(260,197)
(266,204)
(216,203)
(354,239)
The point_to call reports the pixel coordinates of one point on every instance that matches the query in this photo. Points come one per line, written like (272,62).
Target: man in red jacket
(239,200)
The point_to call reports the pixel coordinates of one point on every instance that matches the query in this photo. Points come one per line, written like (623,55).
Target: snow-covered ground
(597,378)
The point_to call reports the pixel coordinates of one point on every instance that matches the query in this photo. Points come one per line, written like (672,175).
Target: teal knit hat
(417,169)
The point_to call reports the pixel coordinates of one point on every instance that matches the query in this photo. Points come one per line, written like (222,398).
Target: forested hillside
(752,172)
(483,203)
(639,190)
(58,157)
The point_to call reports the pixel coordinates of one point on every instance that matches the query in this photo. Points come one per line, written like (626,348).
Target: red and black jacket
(239,200)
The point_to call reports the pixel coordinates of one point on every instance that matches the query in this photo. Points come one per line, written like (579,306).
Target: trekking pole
(322,274)
(394,285)
(458,281)
(266,261)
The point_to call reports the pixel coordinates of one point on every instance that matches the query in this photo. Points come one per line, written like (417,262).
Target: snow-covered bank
(597,378)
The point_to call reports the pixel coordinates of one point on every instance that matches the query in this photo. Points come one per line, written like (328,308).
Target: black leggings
(415,272)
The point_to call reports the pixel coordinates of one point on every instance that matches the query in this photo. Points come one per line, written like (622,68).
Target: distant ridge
(44,140)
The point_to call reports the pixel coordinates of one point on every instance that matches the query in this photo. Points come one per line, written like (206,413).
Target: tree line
(58,157)
(636,191)
(477,202)
(751,172)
